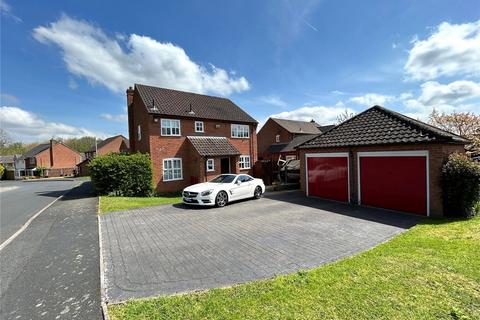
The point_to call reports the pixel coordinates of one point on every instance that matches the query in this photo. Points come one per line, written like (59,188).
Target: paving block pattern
(173,249)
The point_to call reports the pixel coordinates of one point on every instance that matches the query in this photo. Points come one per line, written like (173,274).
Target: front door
(225,165)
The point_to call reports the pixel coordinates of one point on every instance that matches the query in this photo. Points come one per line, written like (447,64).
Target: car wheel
(258,192)
(221,199)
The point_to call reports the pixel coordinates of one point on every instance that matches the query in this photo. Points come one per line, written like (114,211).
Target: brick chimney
(131,122)
(52,143)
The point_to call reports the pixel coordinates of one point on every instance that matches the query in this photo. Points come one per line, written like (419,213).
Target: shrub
(122,174)
(460,185)
(2,171)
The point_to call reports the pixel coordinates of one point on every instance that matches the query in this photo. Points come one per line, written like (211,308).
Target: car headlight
(206,193)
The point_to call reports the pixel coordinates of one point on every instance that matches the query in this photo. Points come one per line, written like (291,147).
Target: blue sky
(65,65)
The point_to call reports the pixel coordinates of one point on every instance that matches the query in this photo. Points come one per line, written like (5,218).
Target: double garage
(396,180)
(379,158)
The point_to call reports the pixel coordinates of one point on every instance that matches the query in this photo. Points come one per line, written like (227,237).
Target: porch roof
(213,146)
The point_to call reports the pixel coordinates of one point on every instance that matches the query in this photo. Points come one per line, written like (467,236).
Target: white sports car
(223,189)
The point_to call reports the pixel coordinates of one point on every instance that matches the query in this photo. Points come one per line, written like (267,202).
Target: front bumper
(193,198)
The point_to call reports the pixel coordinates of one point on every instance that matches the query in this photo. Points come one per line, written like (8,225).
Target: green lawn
(429,272)
(109,203)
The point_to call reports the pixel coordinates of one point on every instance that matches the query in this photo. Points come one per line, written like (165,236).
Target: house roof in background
(108,140)
(325,128)
(36,150)
(177,103)
(378,125)
(298,127)
(7,159)
(213,146)
(288,147)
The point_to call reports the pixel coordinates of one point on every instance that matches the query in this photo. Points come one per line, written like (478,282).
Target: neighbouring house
(116,144)
(280,137)
(190,137)
(56,158)
(14,166)
(379,158)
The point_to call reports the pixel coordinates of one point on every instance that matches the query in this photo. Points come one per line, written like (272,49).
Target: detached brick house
(57,158)
(280,137)
(379,158)
(190,137)
(115,144)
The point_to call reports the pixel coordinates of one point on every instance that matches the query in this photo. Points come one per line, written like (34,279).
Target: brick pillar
(52,144)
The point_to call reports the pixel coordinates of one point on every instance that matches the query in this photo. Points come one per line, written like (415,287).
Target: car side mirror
(238,182)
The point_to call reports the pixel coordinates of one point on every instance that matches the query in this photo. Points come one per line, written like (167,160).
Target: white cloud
(371,99)
(323,115)
(88,52)
(452,49)
(26,126)
(274,101)
(8,98)
(115,117)
(453,93)
(444,98)
(6,11)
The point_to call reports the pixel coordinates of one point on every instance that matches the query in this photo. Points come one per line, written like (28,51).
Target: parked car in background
(223,189)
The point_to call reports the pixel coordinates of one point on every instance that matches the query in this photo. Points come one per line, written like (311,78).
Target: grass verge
(110,203)
(429,272)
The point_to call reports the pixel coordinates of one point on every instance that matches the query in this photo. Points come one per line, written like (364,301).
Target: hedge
(460,186)
(2,171)
(122,174)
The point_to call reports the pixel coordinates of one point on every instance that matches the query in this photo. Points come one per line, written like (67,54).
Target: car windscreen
(228,178)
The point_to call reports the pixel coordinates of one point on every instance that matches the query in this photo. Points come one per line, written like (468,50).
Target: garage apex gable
(378,125)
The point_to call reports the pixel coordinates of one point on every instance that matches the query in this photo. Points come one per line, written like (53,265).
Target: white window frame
(243,163)
(171,127)
(328,155)
(199,123)
(277,138)
(212,161)
(172,169)
(290,157)
(411,153)
(139,132)
(240,131)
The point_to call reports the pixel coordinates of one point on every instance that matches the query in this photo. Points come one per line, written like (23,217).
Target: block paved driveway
(173,249)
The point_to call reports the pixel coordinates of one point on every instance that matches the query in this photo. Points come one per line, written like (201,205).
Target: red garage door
(328,177)
(394,182)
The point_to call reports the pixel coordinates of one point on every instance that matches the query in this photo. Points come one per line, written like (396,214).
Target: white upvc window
(199,126)
(277,138)
(139,133)
(170,127)
(240,131)
(172,169)
(244,162)
(210,165)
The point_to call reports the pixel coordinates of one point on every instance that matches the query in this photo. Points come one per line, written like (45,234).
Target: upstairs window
(244,162)
(170,127)
(199,126)
(172,169)
(240,131)
(277,138)
(139,133)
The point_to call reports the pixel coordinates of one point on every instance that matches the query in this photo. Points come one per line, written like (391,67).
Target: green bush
(2,171)
(122,174)
(460,185)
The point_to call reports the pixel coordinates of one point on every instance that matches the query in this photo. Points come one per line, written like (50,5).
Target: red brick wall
(64,157)
(437,155)
(162,147)
(116,146)
(267,135)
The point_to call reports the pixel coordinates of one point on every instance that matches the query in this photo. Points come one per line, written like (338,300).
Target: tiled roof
(7,159)
(213,146)
(287,147)
(108,140)
(295,126)
(177,103)
(325,128)
(36,150)
(378,125)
